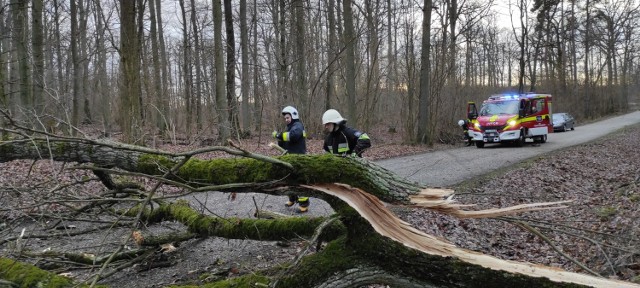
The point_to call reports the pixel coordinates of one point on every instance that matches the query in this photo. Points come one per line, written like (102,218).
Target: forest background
(201,72)
(204,71)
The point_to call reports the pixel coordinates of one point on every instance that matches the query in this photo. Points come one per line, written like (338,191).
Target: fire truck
(509,118)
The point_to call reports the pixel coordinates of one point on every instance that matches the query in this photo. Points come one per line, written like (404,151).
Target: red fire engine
(511,118)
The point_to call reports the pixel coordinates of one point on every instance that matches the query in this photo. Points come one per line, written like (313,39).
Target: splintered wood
(389,225)
(441,200)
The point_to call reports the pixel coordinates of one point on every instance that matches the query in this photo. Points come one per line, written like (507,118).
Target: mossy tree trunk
(368,245)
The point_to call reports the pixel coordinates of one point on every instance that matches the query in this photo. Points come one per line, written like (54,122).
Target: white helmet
(331,116)
(461,122)
(292,111)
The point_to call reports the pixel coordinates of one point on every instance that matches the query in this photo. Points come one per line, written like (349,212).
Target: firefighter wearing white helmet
(342,140)
(294,141)
(331,116)
(291,111)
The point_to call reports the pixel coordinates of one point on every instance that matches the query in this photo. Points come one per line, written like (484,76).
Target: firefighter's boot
(304,204)
(292,200)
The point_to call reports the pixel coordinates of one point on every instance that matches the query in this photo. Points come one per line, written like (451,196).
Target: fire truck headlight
(512,123)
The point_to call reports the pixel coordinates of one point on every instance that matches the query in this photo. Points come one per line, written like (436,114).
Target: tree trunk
(301,97)
(370,242)
(21,72)
(245,82)
(424,105)
(164,96)
(130,73)
(232,105)
(159,119)
(257,96)
(349,41)
(224,130)
(197,64)
(84,62)
(101,83)
(186,69)
(37,42)
(77,72)
(332,54)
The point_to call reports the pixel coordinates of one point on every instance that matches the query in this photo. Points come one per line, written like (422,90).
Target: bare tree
(186,68)
(300,57)
(522,39)
(349,41)
(77,67)
(37,44)
(222,106)
(164,63)
(157,95)
(130,121)
(232,103)
(101,84)
(332,54)
(424,105)
(197,100)
(20,72)
(245,82)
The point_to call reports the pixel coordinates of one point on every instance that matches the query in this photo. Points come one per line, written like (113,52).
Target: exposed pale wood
(389,225)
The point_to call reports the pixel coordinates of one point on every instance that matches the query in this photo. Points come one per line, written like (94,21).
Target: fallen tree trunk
(373,246)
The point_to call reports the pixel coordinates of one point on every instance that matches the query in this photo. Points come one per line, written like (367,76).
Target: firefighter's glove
(277,135)
(357,152)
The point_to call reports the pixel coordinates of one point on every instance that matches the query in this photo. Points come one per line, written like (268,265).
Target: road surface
(450,167)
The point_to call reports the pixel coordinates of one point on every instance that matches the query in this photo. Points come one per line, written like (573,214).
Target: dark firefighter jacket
(293,139)
(346,141)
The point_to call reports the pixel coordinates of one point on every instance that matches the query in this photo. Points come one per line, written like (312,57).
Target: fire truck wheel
(479,144)
(543,139)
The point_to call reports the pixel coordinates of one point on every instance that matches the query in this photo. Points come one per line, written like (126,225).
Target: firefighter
(342,140)
(294,141)
(294,138)
(465,129)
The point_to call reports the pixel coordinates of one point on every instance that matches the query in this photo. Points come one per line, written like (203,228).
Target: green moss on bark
(153,164)
(333,258)
(6,149)
(239,228)
(249,280)
(26,275)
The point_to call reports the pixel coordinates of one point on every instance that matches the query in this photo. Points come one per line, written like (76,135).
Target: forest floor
(599,228)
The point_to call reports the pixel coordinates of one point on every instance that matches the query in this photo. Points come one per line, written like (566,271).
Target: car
(563,122)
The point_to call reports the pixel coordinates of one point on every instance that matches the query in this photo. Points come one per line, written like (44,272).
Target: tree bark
(232,105)
(197,66)
(224,129)
(130,73)
(349,41)
(245,82)
(186,68)
(369,245)
(424,105)
(37,42)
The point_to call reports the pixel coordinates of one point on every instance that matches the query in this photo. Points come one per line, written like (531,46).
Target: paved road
(450,167)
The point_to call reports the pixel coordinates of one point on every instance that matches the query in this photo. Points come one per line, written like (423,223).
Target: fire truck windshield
(499,107)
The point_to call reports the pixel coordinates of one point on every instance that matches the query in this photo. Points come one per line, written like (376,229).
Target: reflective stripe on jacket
(294,138)
(345,141)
